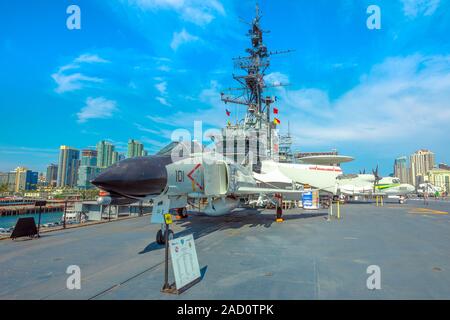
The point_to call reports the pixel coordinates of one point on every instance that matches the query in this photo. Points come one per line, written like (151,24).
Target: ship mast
(251,95)
(252,85)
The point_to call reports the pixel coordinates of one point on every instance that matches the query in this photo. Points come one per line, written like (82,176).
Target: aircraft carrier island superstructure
(253,138)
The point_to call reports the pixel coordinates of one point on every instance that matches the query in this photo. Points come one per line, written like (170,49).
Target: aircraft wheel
(159,237)
(182,213)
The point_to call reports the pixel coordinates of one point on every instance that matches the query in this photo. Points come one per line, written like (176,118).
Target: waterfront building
(85,175)
(25,179)
(8,179)
(440,178)
(69,159)
(115,157)
(444,166)
(135,149)
(11,181)
(88,169)
(421,162)
(105,152)
(401,169)
(52,175)
(88,158)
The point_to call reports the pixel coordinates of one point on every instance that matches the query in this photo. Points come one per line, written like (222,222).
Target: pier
(17,210)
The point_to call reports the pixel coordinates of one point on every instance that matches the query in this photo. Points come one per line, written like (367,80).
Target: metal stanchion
(39,223)
(330,211)
(65,211)
(166,262)
(167,288)
(339,209)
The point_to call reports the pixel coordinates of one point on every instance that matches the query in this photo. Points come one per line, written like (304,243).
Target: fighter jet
(172,183)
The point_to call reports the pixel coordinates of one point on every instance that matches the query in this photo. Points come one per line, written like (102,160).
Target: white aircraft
(428,188)
(372,185)
(318,172)
(173,184)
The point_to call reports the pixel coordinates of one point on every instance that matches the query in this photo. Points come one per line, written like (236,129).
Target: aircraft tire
(159,237)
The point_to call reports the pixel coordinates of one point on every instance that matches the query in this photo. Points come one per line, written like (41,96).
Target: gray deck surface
(246,256)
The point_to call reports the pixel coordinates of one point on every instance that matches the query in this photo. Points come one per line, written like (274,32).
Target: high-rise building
(421,162)
(25,179)
(52,175)
(89,158)
(115,157)
(135,149)
(5,178)
(440,178)
(85,175)
(69,159)
(401,169)
(105,152)
(88,169)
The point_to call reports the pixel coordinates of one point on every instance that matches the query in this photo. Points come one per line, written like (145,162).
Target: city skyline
(146,68)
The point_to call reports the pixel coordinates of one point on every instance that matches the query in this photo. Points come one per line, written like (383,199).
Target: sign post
(167,222)
(39,204)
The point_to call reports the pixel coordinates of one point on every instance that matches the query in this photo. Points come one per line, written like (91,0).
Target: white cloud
(402,100)
(73,81)
(67,81)
(276,79)
(163,101)
(164,68)
(90,58)
(413,8)
(182,37)
(199,12)
(213,115)
(97,108)
(162,87)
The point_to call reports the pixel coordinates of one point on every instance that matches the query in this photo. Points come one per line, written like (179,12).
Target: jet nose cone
(135,177)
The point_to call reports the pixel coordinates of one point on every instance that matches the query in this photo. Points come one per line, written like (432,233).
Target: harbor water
(49,217)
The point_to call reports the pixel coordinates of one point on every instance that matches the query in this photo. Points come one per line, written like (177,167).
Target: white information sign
(184,260)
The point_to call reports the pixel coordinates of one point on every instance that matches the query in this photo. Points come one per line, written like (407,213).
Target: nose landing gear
(161,236)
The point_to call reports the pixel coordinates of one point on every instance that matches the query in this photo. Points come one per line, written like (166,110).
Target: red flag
(275,111)
(228,113)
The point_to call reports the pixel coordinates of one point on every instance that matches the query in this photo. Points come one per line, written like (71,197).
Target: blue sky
(143,68)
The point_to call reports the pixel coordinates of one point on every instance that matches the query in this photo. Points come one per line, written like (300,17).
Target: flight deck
(246,255)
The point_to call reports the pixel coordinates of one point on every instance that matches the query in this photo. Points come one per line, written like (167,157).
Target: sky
(143,68)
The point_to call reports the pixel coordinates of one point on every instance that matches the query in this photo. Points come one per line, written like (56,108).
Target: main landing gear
(279,205)
(182,213)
